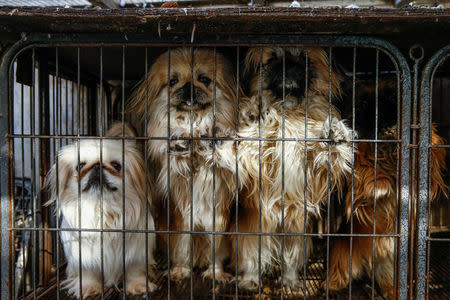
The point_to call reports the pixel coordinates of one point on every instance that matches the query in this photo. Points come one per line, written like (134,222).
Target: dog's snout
(94,176)
(188,92)
(190,96)
(288,77)
(98,177)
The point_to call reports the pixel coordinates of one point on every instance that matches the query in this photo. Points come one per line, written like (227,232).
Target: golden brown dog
(197,99)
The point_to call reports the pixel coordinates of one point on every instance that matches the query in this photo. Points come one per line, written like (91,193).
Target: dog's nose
(95,174)
(187,91)
(187,94)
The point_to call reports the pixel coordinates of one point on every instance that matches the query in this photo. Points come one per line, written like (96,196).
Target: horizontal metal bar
(201,232)
(431,239)
(175,138)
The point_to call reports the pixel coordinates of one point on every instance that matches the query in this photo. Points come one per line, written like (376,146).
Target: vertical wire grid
(412,204)
(283,132)
(14,200)
(168,174)
(260,171)
(60,87)
(428,208)
(191,175)
(25,206)
(33,171)
(123,176)
(237,174)
(330,74)
(78,169)
(375,173)
(72,102)
(55,148)
(397,182)
(66,107)
(214,179)
(305,193)
(147,209)
(102,262)
(353,172)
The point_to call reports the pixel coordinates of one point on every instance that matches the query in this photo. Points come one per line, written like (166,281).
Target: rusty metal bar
(423,168)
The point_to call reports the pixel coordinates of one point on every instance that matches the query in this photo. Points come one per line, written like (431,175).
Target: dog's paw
(248,282)
(291,281)
(138,286)
(179,273)
(90,287)
(337,131)
(303,288)
(219,274)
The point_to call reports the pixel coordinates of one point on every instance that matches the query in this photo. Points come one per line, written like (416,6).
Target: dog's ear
(136,167)
(116,130)
(252,61)
(148,88)
(56,182)
(226,81)
(321,65)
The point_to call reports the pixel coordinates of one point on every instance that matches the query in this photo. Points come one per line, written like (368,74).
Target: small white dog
(79,184)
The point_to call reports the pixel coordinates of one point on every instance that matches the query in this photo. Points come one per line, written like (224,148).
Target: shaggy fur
(78,188)
(190,92)
(386,195)
(306,164)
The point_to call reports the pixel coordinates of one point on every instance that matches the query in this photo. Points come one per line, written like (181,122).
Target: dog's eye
(173,81)
(80,166)
(272,58)
(116,166)
(205,80)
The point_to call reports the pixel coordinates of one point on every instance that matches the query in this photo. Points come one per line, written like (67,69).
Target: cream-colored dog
(85,183)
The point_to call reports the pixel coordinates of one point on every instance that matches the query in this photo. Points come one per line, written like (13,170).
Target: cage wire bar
(100,41)
(425,147)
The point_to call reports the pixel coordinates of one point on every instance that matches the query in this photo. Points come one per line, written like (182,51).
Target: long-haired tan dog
(190,92)
(364,195)
(305,181)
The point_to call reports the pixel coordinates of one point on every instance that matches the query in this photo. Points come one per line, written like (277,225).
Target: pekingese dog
(84,183)
(286,102)
(196,100)
(386,187)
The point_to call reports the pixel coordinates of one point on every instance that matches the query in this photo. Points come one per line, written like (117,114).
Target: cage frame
(425,146)
(99,40)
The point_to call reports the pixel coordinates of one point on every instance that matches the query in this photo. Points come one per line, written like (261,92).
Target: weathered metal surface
(424,150)
(229,20)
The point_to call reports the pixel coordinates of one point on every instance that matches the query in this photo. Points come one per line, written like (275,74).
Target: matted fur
(151,101)
(386,212)
(71,192)
(306,166)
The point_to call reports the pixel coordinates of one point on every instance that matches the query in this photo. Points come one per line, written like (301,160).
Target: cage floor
(438,286)
(439,280)
(271,288)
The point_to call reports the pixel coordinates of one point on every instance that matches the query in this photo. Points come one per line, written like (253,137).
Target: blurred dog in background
(380,199)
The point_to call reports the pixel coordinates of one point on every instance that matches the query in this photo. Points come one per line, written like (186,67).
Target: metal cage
(57,85)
